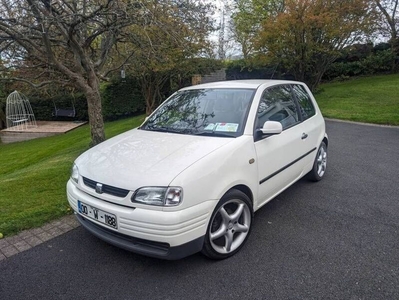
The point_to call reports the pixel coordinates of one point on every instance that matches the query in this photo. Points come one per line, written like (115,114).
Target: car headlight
(75,173)
(160,196)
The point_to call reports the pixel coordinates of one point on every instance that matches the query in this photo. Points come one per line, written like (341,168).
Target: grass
(367,99)
(33,176)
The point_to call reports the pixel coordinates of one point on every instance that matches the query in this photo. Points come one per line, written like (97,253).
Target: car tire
(320,164)
(229,226)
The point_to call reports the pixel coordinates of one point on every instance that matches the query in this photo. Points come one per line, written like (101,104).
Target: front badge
(99,188)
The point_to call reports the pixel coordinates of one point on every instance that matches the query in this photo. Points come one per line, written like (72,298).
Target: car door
(313,124)
(280,157)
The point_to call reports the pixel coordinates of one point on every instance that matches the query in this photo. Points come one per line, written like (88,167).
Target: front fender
(213,175)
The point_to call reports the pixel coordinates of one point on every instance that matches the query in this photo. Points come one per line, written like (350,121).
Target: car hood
(141,158)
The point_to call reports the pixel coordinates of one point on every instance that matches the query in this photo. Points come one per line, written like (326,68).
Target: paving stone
(36,236)
(76,225)
(55,231)
(22,246)
(25,234)
(36,231)
(9,251)
(33,241)
(65,227)
(4,243)
(71,220)
(13,239)
(47,227)
(44,236)
(56,223)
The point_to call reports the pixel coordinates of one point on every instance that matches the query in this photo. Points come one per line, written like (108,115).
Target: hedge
(376,63)
(119,99)
(241,69)
(44,108)
(122,98)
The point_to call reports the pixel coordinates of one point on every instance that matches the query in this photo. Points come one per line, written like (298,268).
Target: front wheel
(320,164)
(229,227)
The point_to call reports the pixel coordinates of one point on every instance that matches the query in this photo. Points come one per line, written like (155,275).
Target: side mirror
(270,128)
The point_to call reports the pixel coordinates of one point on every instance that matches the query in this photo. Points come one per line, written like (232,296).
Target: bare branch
(34,85)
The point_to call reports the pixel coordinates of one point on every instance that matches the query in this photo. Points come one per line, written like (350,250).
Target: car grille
(107,189)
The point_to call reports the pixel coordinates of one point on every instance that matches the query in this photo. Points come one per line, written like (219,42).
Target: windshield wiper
(213,133)
(165,129)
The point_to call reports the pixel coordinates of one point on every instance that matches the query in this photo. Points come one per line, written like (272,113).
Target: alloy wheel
(321,161)
(230,226)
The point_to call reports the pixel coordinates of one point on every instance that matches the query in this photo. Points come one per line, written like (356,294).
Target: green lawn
(33,175)
(367,99)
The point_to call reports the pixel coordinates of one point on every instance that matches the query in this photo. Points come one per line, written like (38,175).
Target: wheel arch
(240,197)
(325,140)
(246,190)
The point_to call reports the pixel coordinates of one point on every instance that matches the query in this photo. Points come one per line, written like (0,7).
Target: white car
(190,178)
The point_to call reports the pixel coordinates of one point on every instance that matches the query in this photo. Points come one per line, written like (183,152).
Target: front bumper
(140,246)
(155,233)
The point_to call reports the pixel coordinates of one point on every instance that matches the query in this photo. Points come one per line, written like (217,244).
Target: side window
(305,103)
(278,105)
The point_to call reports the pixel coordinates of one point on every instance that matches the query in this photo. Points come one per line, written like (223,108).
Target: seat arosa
(190,178)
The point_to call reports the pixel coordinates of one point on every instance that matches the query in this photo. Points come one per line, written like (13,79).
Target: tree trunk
(2,119)
(94,109)
(149,99)
(151,87)
(95,117)
(147,88)
(395,50)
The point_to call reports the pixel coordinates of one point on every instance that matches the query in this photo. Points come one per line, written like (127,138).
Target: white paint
(205,167)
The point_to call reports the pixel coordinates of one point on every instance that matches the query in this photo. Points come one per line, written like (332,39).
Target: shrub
(121,99)
(375,63)
(243,69)
(44,107)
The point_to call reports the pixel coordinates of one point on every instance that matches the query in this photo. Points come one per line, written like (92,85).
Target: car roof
(240,84)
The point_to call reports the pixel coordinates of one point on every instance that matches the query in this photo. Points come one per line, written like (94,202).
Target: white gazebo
(19,113)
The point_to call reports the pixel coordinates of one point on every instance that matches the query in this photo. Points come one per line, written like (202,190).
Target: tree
(305,36)
(166,46)
(389,10)
(302,36)
(390,21)
(248,18)
(64,42)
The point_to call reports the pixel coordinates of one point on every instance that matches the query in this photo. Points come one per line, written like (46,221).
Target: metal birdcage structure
(19,113)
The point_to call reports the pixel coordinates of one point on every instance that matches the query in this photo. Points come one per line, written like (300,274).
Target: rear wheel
(320,164)
(229,227)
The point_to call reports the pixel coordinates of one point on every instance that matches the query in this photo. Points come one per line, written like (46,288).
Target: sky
(232,48)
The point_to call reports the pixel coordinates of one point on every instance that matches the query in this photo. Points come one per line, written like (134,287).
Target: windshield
(213,112)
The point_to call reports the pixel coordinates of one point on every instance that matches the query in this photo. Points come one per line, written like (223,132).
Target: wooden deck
(43,129)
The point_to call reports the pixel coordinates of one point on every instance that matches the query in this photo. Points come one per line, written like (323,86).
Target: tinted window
(305,103)
(278,105)
(219,112)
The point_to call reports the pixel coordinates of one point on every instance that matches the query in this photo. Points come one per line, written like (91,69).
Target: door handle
(304,136)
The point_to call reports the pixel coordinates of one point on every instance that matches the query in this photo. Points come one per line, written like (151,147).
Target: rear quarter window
(305,102)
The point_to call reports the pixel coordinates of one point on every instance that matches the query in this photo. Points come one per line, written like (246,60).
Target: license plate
(97,214)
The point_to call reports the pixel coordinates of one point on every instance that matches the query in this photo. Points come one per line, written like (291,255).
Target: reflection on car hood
(141,158)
